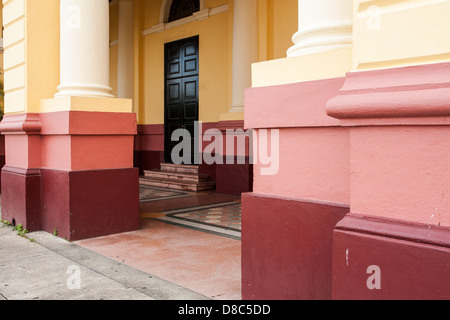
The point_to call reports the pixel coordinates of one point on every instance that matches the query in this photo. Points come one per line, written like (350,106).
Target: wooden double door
(181,92)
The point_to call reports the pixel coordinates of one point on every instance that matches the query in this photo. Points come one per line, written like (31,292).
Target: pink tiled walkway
(206,263)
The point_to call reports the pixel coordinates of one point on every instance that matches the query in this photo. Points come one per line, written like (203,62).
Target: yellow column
(84,60)
(245,52)
(125,78)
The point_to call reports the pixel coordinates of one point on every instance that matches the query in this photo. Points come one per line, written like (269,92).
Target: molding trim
(22,171)
(404,92)
(203,14)
(22,123)
(322,37)
(396,229)
(165,10)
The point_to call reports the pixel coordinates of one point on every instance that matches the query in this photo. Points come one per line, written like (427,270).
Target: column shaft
(84,59)
(323,25)
(244,49)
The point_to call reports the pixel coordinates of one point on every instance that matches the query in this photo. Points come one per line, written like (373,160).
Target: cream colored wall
(400,33)
(386,34)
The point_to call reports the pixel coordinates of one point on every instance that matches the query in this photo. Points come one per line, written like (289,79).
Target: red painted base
(412,261)
(86,204)
(2,164)
(234,179)
(21,197)
(148,160)
(287,248)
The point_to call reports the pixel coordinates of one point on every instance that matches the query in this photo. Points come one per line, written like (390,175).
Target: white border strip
(201,226)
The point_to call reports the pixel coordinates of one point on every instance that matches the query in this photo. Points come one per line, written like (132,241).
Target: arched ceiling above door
(166,8)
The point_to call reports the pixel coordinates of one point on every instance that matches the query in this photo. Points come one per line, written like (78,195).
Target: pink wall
(314,165)
(402,173)
(84,152)
(23,151)
(377,141)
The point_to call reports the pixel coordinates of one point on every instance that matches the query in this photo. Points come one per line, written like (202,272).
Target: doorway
(181,105)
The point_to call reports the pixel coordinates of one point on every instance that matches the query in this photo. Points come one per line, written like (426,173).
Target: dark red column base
(21,197)
(287,247)
(148,160)
(2,164)
(87,204)
(413,260)
(234,178)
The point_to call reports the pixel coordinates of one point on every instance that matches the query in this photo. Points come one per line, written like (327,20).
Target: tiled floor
(223,219)
(151,194)
(191,239)
(228,216)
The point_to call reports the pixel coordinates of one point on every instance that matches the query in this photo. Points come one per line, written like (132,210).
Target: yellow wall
(1,59)
(277,22)
(14,59)
(42,52)
(32,61)
(215,63)
(409,32)
(214,68)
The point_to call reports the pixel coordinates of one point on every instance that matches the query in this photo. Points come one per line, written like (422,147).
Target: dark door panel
(181,90)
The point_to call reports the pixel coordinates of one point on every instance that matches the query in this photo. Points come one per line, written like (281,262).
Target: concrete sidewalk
(49,268)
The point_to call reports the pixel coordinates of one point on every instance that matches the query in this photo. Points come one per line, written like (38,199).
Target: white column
(245,49)
(125,68)
(322,25)
(84,60)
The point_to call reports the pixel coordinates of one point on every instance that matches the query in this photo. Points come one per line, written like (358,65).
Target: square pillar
(89,185)
(21,203)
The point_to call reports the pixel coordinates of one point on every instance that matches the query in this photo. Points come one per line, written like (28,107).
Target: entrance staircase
(178,177)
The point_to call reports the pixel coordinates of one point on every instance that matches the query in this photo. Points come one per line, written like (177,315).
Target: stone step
(175,176)
(177,185)
(179,168)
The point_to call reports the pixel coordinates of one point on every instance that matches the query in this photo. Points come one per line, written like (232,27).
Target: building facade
(358,209)
(353,95)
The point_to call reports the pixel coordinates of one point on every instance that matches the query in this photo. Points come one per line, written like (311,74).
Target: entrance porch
(190,239)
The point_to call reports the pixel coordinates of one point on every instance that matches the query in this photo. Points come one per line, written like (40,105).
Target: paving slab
(51,268)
